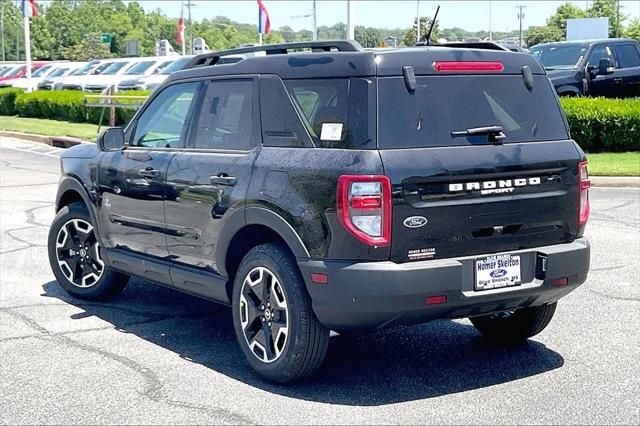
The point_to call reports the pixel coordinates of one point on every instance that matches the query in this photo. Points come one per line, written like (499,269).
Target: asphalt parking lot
(153,355)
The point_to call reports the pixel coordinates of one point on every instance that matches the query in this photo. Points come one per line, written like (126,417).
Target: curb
(615,181)
(57,141)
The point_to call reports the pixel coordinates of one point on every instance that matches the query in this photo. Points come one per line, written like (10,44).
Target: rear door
(457,195)
(628,68)
(208,179)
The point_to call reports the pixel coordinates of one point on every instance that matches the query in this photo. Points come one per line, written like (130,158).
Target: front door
(132,182)
(603,85)
(211,175)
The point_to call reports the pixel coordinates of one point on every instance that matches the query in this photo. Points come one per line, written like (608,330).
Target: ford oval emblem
(498,273)
(415,222)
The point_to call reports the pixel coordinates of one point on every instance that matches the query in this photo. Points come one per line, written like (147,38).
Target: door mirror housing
(111,139)
(605,67)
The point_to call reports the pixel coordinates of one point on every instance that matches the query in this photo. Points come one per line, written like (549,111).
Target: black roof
(346,59)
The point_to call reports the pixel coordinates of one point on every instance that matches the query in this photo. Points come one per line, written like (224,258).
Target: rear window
(445,104)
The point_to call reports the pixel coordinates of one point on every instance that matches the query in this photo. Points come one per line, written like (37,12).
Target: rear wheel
(515,326)
(275,326)
(75,257)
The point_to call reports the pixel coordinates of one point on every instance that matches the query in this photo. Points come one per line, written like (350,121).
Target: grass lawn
(49,127)
(614,164)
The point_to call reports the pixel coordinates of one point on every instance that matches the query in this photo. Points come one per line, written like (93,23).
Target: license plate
(497,271)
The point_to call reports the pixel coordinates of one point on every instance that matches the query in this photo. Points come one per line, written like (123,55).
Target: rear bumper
(371,295)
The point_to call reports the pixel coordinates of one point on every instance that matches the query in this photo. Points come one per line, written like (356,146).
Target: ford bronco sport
(318,186)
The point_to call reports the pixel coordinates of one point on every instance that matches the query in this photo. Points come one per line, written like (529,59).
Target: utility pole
(490,28)
(2,29)
(189,4)
(417,21)
(520,17)
(351,34)
(18,31)
(618,18)
(315,21)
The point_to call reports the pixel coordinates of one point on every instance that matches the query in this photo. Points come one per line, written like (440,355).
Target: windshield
(114,68)
(140,68)
(161,67)
(41,71)
(58,72)
(175,66)
(5,71)
(15,72)
(559,56)
(444,108)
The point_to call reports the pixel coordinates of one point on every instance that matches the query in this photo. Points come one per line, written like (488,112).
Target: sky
(472,15)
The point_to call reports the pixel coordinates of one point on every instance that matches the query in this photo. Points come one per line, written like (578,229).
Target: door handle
(617,80)
(222,179)
(149,172)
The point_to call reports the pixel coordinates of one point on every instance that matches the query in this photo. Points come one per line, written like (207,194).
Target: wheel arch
(257,226)
(71,191)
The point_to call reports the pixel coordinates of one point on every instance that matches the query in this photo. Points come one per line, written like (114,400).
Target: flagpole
(259,38)
(27,50)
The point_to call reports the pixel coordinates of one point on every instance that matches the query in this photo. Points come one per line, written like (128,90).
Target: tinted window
(281,123)
(601,52)
(226,117)
(114,68)
(559,56)
(140,68)
(161,124)
(627,55)
(444,104)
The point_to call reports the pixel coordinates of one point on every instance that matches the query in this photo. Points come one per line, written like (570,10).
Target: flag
(180,32)
(29,9)
(264,24)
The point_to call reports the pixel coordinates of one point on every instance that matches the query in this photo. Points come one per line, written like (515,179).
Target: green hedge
(65,105)
(600,124)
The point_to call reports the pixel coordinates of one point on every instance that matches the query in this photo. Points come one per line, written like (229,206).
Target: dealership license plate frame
(510,264)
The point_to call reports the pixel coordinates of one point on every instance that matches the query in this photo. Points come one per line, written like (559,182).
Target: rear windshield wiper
(494,132)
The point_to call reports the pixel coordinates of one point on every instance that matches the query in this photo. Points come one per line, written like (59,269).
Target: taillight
(364,207)
(583,197)
(468,66)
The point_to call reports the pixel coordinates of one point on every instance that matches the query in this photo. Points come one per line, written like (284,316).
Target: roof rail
(486,45)
(208,59)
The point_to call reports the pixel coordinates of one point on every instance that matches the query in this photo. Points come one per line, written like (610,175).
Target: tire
(517,326)
(269,272)
(75,259)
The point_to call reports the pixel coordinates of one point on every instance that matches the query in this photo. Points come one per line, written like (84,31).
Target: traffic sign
(106,38)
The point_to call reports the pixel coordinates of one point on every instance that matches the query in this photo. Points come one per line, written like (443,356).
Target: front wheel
(515,326)
(272,316)
(76,259)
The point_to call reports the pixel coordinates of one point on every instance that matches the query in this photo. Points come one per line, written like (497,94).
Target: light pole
(490,28)
(351,33)
(520,17)
(417,21)
(2,29)
(315,21)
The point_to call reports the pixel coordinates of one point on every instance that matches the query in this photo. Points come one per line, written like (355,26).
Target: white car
(153,80)
(102,74)
(62,70)
(140,67)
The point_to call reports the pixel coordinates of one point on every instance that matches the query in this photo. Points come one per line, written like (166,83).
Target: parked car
(337,189)
(88,68)
(609,67)
(62,70)
(153,80)
(139,67)
(7,79)
(104,71)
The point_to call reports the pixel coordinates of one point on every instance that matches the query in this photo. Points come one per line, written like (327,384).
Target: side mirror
(111,139)
(605,67)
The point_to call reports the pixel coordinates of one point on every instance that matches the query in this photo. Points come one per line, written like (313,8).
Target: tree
(564,12)
(91,47)
(425,23)
(608,9)
(546,34)
(367,37)
(633,30)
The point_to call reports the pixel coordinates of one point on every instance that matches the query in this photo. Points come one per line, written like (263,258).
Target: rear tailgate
(456,194)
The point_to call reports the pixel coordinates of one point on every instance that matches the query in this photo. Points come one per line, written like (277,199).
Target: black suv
(609,67)
(318,186)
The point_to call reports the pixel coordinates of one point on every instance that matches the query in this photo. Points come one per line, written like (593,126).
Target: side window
(627,55)
(601,52)
(324,104)
(226,118)
(162,123)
